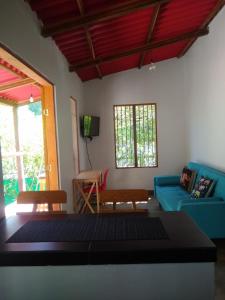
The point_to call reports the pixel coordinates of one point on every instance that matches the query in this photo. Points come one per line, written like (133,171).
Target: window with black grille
(135,135)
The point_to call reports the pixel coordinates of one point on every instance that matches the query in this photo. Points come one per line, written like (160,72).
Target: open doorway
(27,131)
(23,159)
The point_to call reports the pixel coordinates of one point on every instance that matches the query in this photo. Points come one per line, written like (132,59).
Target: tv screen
(90,126)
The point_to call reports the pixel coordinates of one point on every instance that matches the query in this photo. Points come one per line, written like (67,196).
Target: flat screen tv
(90,126)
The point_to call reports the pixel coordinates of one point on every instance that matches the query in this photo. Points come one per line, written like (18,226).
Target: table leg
(86,199)
(74,197)
(97,196)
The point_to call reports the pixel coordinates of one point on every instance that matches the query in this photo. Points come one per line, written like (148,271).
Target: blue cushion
(170,196)
(216,175)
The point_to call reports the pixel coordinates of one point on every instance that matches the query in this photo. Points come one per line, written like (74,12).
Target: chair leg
(114,205)
(134,205)
(50,207)
(35,207)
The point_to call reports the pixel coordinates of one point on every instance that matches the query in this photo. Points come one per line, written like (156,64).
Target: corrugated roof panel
(163,53)
(121,34)
(182,16)
(93,5)
(22,93)
(76,58)
(7,77)
(119,65)
(55,11)
(12,68)
(74,46)
(87,74)
(41,5)
(70,36)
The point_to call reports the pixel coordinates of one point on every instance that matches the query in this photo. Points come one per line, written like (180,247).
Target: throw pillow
(187,179)
(203,188)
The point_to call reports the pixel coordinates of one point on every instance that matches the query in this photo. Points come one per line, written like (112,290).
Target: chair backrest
(42,197)
(104,182)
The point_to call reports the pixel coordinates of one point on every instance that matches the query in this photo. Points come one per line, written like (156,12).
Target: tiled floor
(220,270)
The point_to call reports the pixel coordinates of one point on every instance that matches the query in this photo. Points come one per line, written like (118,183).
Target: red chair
(102,186)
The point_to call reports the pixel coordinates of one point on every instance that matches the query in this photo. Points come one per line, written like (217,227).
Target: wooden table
(92,177)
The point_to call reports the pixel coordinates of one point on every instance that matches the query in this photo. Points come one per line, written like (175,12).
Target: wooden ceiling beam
(148,46)
(150,31)
(18,83)
(88,38)
(10,70)
(80,6)
(43,5)
(220,4)
(8,101)
(14,102)
(91,47)
(27,101)
(114,11)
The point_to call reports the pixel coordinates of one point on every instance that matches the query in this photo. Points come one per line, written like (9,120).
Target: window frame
(135,139)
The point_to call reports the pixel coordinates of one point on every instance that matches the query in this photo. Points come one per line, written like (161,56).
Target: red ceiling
(10,75)
(123,33)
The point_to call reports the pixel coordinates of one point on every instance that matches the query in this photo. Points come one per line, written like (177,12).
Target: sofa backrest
(218,176)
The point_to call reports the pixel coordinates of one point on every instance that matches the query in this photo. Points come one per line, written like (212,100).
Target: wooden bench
(128,195)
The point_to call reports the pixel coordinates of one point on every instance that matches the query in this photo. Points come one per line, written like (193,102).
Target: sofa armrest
(209,216)
(194,201)
(166,180)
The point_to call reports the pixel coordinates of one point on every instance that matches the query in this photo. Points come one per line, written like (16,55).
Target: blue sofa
(208,213)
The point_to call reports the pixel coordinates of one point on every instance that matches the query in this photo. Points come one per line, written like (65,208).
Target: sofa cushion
(203,188)
(187,179)
(170,196)
(216,175)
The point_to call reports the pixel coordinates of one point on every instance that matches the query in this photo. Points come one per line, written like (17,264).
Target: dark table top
(186,243)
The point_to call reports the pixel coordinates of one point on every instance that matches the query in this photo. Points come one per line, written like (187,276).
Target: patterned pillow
(203,188)
(187,179)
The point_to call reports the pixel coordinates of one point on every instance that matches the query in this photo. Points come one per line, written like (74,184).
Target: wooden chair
(102,186)
(52,199)
(125,196)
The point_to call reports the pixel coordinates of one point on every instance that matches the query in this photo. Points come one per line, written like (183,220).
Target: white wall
(205,78)
(164,86)
(121,282)
(20,32)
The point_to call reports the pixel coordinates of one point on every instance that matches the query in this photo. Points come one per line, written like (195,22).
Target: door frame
(49,118)
(2,204)
(74,100)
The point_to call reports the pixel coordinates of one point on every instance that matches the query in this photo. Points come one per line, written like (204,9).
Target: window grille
(135,135)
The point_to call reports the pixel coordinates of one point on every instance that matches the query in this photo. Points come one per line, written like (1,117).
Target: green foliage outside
(137,134)
(124,132)
(11,188)
(31,142)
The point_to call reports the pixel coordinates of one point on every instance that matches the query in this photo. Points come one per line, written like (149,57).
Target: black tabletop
(184,242)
